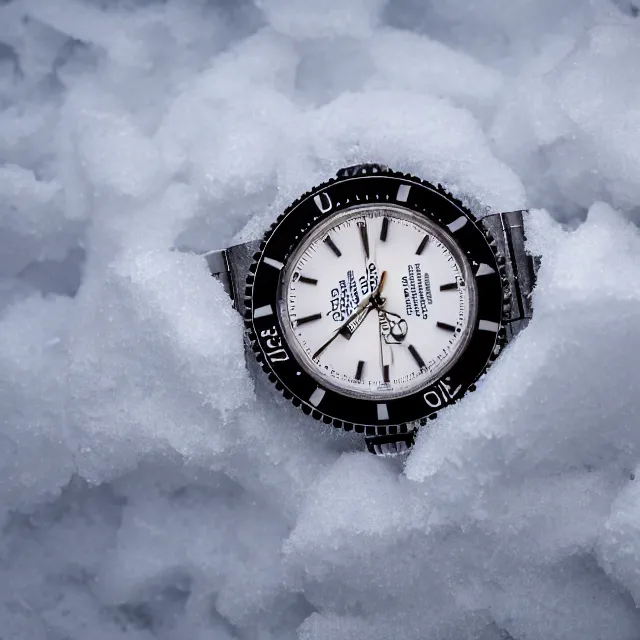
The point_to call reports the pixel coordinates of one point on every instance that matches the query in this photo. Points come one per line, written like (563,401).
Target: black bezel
(263,285)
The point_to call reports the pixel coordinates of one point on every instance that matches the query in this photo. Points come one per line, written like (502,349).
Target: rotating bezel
(372,416)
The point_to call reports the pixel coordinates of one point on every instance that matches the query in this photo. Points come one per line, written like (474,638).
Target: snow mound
(150,487)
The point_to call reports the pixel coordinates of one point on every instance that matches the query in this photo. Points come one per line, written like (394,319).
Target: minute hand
(366,304)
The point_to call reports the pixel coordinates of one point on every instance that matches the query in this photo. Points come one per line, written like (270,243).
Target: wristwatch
(377,299)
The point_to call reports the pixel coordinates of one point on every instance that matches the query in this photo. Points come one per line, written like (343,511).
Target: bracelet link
(508,230)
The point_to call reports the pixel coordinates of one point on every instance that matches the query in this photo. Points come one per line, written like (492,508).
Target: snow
(149,487)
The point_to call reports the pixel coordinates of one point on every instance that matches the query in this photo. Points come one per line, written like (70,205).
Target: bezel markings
(263,285)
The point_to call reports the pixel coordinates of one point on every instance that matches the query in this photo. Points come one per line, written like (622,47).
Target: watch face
(376,300)
(410,334)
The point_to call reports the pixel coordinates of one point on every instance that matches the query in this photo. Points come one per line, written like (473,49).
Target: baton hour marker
(364,236)
(315,316)
(332,245)
(422,245)
(416,356)
(384,229)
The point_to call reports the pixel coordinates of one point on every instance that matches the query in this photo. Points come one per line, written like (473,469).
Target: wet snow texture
(148,489)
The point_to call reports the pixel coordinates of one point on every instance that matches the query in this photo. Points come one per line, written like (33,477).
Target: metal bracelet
(520,268)
(219,267)
(231,267)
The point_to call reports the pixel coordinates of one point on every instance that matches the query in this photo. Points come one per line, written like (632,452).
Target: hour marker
(445,326)
(422,245)
(449,286)
(273,263)
(487,325)
(315,316)
(261,312)
(359,370)
(457,224)
(403,192)
(332,245)
(364,236)
(385,373)
(484,270)
(316,397)
(383,412)
(416,356)
(384,229)
(308,280)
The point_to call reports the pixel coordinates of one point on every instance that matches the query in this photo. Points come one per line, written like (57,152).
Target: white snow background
(148,488)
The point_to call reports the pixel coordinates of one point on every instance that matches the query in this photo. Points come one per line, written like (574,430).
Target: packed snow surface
(149,487)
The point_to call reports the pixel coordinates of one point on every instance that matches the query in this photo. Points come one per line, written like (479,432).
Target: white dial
(377,302)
